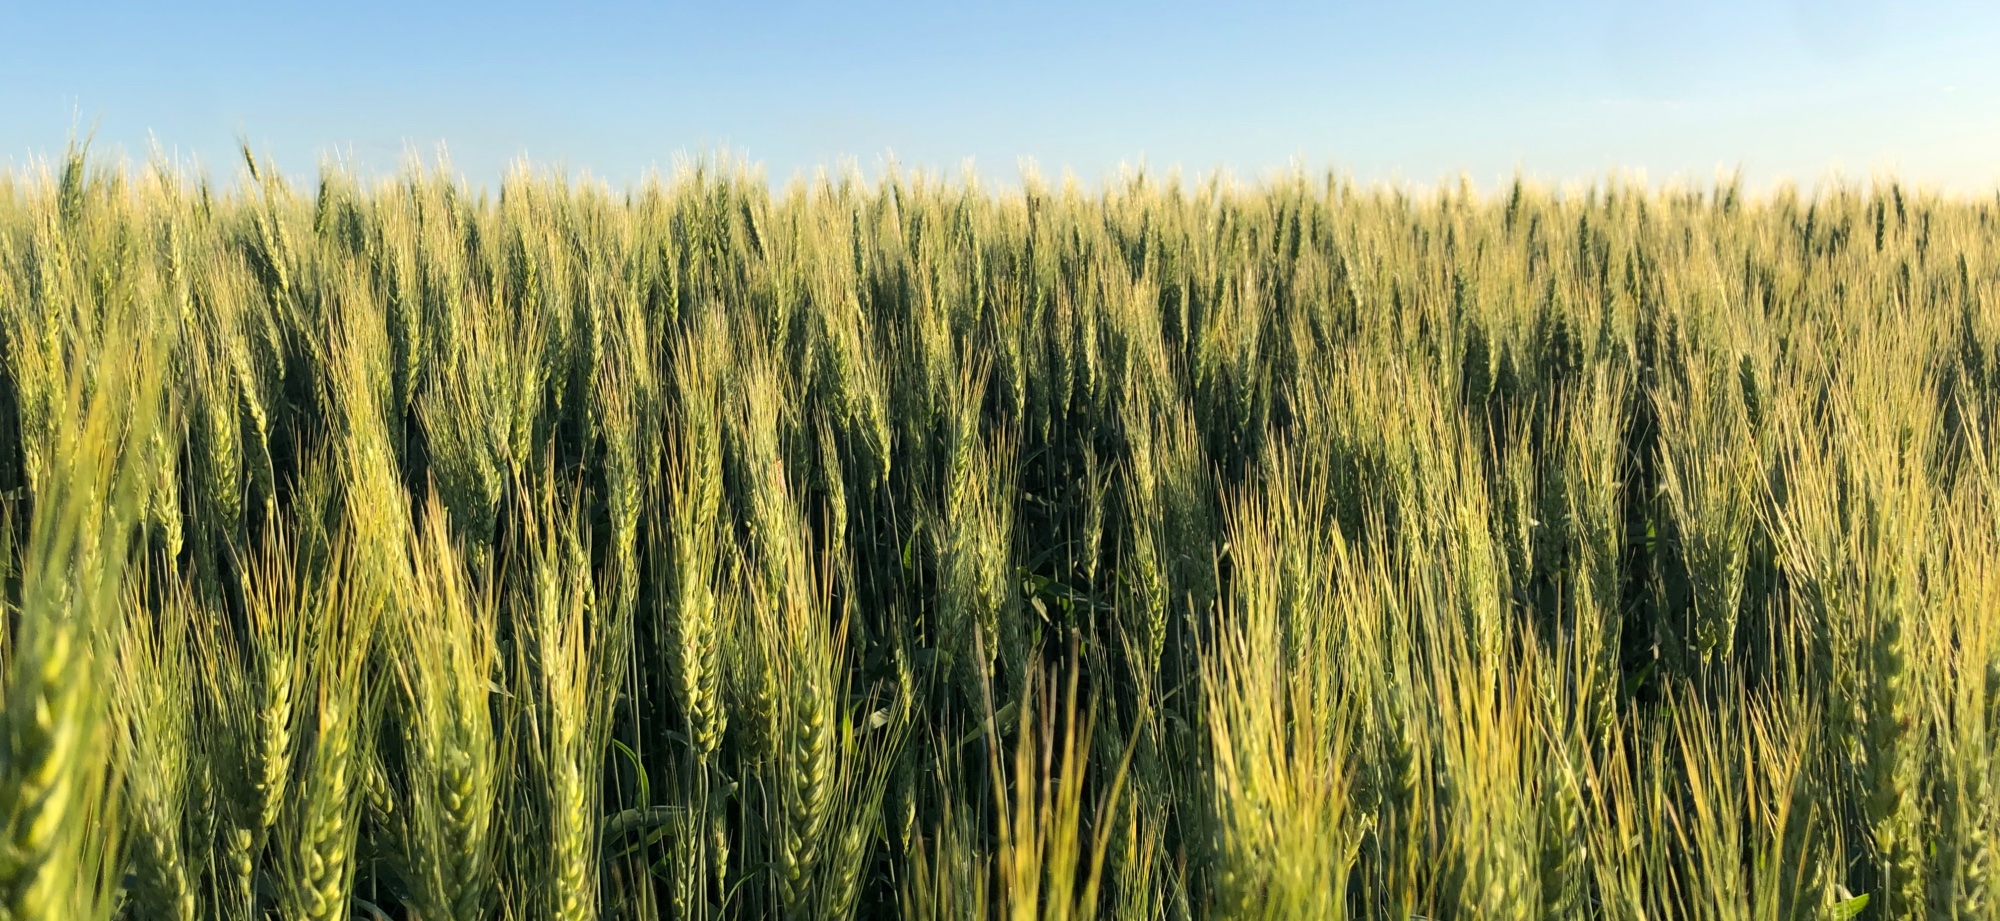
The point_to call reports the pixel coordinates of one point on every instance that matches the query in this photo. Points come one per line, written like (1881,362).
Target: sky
(1416,92)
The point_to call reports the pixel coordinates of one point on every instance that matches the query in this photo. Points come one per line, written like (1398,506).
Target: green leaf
(645,783)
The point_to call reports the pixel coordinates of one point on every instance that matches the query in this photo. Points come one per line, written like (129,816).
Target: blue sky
(1414,91)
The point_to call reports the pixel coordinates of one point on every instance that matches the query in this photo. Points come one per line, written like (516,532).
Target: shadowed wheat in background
(913,550)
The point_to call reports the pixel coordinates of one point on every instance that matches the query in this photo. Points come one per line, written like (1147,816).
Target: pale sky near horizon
(1417,91)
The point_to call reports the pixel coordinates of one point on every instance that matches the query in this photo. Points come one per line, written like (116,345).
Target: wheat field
(912,549)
